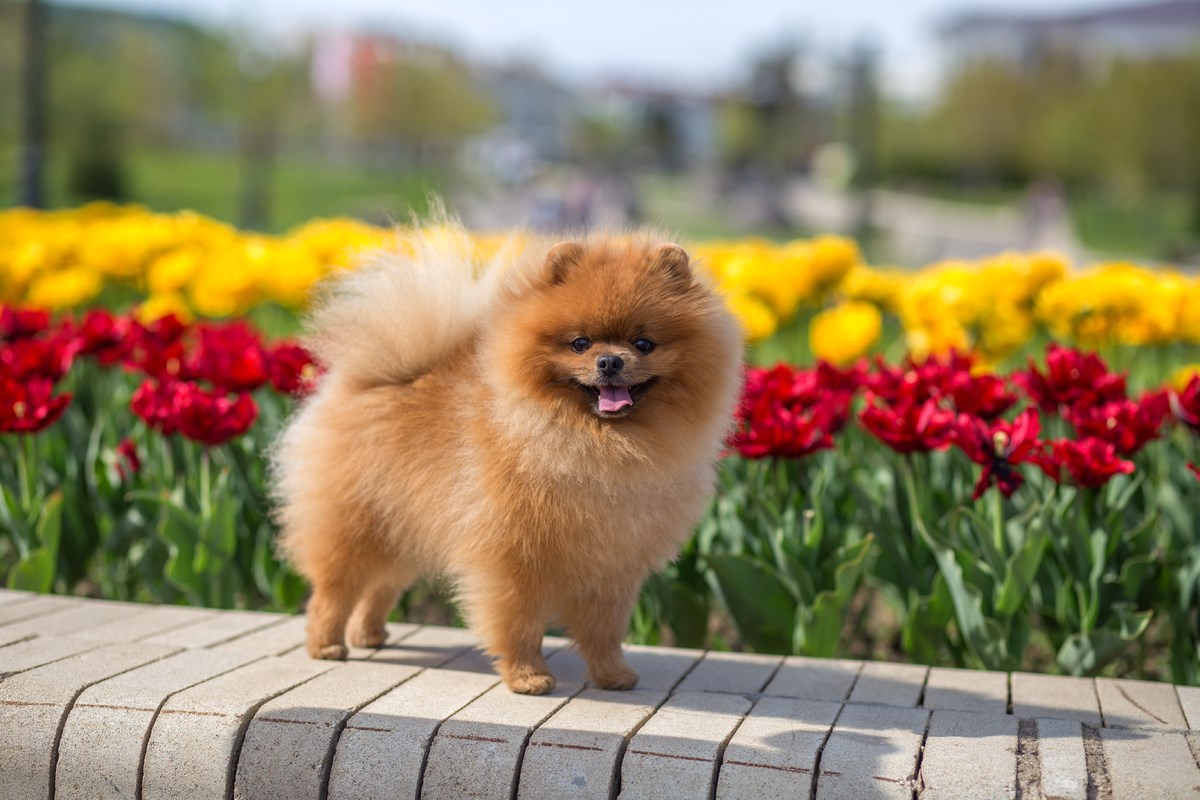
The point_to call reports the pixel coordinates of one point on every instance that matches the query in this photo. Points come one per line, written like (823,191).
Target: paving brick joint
(116,700)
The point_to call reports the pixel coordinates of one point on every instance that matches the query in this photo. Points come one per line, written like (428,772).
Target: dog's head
(617,330)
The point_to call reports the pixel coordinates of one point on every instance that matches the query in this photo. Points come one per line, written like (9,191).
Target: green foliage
(191,526)
(782,562)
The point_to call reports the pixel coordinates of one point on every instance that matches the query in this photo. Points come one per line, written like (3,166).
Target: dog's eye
(581,344)
(644,345)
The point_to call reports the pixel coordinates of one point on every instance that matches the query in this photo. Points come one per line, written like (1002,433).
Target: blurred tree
(425,102)
(762,128)
(1125,129)
(33,104)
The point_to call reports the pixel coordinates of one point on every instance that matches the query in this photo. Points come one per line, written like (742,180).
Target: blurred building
(1096,37)
(534,114)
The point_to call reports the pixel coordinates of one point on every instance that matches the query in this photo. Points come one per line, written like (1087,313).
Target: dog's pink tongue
(614,398)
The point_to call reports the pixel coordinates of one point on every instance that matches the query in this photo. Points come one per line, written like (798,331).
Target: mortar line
(433,734)
(62,720)
(93,646)
(719,760)
(615,783)
(916,781)
(812,786)
(179,625)
(1099,784)
(244,725)
(137,794)
(516,784)
(1028,754)
(850,688)
(340,726)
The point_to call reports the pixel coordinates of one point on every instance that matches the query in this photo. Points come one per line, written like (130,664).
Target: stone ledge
(117,700)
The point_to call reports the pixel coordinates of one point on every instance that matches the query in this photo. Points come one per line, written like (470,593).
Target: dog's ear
(672,261)
(561,258)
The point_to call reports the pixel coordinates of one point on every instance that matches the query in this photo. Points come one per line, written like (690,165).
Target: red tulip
(843,381)
(1091,462)
(228,356)
(980,395)
(29,405)
(104,336)
(999,448)
(128,464)
(156,349)
(1186,404)
(291,369)
(48,358)
(1195,470)
(1123,423)
(19,323)
(1072,379)
(778,431)
(909,427)
(184,407)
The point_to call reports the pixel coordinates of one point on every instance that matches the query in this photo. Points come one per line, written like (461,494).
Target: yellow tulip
(844,333)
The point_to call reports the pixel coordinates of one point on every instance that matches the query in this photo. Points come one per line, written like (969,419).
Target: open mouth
(612,400)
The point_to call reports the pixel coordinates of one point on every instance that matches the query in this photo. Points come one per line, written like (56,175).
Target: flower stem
(997,503)
(24,459)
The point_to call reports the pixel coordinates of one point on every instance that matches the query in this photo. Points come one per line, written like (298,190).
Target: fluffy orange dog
(542,433)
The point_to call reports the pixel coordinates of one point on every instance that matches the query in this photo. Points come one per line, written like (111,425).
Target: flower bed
(943,506)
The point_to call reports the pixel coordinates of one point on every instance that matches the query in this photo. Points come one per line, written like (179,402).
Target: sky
(687,44)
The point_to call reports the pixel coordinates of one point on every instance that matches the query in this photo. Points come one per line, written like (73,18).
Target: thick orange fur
(454,435)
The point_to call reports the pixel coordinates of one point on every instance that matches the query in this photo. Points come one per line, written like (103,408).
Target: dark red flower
(228,356)
(184,407)
(104,336)
(999,448)
(1090,461)
(156,349)
(798,391)
(913,382)
(1186,404)
(903,384)
(1072,379)
(48,358)
(1195,470)
(909,427)
(292,369)
(127,463)
(779,431)
(984,396)
(832,378)
(29,405)
(790,413)
(1123,423)
(19,323)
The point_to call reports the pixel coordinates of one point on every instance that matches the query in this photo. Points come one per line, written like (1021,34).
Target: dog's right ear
(561,258)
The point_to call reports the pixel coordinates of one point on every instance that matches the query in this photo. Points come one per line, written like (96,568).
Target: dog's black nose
(609,365)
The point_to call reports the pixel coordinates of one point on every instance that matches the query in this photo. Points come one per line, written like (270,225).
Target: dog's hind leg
(367,622)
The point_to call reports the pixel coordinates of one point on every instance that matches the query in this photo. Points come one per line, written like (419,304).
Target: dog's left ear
(672,260)
(561,258)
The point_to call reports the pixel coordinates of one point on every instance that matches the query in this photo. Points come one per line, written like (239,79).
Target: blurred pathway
(921,230)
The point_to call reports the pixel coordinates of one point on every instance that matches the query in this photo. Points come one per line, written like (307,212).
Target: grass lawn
(210,184)
(1159,227)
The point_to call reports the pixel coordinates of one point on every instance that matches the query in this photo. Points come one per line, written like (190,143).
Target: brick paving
(116,700)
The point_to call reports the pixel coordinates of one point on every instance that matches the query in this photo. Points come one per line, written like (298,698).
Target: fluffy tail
(404,309)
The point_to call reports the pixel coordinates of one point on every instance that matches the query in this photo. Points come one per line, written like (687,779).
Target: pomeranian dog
(542,430)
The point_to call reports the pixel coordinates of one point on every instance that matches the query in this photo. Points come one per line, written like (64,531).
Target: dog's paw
(328,652)
(622,677)
(531,683)
(366,638)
